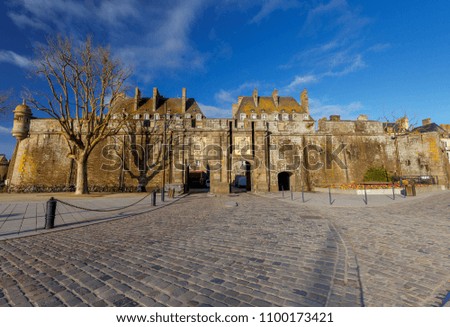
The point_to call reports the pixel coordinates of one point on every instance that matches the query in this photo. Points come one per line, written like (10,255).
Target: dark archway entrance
(248,175)
(284,181)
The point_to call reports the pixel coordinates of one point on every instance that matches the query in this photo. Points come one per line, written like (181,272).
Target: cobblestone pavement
(402,248)
(24,214)
(208,251)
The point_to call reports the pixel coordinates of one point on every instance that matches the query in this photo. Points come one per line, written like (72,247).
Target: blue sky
(380,58)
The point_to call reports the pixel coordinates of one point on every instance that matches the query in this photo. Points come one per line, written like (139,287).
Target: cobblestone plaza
(242,250)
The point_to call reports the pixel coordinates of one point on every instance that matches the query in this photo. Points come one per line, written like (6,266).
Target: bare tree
(5,104)
(147,149)
(84,82)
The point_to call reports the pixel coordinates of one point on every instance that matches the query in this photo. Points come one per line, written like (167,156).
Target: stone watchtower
(22,118)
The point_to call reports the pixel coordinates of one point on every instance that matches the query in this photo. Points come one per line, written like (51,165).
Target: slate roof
(433,127)
(173,105)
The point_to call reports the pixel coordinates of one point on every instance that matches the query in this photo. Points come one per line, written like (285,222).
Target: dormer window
(305,116)
(187,116)
(264,116)
(254,116)
(275,117)
(146,116)
(137,116)
(285,116)
(156,116)
(243,116)
(198,116)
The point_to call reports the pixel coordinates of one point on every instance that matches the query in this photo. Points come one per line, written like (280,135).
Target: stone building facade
(270,142)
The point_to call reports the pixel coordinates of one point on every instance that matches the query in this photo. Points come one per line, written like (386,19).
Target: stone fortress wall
(272,141)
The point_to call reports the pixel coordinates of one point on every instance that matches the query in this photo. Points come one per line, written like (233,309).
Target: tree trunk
(82,181)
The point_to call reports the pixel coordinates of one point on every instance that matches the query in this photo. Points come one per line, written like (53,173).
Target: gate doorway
(284,181)
(248,175)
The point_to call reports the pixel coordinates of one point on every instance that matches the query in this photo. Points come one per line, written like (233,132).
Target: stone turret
(22,118)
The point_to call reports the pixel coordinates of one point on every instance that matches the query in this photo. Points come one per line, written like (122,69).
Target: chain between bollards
(50,213)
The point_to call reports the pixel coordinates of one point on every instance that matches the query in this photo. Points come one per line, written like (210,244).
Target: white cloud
(343,52)
(301,80)
(5,130)
(230,96)
(319,109)
(151,37)
(269,6)
(11,57)
(215,112)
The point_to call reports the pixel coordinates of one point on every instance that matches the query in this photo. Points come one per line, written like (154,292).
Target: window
(156,116)
(285,116)
(198,116)
(137,116)
(254,116)
(146,116)
(243,116)
(187,116)
(306,116)
(264,116)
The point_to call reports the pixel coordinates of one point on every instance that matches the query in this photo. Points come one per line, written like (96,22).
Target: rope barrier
(103,210)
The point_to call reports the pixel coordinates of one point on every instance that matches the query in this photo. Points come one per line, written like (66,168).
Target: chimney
(255,96)
(275,97)
(426,121)
(137,98)
(183,100)
(335,118)
(155,98)
(304,102)
(362,117)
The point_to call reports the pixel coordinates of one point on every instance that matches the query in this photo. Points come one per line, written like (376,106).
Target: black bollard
(153,198)
(393,192)
(282,190)
(329,196)
(292,195)
(162,195)
(365,195)
(303,195)
(50,214)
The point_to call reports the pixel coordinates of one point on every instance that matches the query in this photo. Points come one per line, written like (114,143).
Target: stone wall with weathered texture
(338,152)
